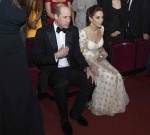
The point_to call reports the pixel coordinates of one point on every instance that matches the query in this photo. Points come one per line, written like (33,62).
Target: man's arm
(42,55)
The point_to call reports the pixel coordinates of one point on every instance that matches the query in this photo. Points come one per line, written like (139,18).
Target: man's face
(63,19)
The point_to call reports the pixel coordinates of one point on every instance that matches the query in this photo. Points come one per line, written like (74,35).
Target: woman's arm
(49,10)
(39,9)
(83,46)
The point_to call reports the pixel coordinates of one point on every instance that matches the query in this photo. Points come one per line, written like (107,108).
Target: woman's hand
(115,34)
(103,54)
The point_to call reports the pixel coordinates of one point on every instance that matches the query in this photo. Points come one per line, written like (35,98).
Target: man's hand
(94,69)
(89,74)
(62,52)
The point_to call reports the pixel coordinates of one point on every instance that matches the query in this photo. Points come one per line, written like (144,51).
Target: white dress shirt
(60,37)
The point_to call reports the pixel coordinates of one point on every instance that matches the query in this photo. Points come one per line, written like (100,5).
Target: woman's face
(97,19)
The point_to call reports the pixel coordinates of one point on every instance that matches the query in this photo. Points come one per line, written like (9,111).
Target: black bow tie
(60,29)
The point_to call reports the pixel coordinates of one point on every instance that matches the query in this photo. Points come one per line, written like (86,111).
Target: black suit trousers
(60,80)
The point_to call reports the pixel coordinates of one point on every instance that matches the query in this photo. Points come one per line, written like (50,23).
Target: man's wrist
(56,57)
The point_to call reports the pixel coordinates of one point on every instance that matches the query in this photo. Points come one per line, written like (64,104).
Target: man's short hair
(58,7)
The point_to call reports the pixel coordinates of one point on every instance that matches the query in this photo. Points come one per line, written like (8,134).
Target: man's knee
(61,86)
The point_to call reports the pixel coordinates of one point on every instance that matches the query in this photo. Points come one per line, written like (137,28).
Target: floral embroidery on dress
(109,96)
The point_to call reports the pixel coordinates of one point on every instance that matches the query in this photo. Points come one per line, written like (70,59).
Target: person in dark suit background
(115,15)
(58,56)
(138,22)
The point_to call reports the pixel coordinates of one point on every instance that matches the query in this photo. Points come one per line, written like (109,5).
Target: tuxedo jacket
(45,45)
(138,17)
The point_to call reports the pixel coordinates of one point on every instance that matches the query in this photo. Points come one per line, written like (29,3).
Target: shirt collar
(55,26)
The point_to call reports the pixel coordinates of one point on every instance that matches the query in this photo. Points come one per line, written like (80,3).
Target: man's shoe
(82,121)
(66,127)
(40,94)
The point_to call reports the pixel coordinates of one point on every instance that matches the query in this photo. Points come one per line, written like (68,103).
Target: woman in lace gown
(109,96)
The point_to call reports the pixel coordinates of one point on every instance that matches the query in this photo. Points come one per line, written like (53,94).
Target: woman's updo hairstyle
(91,12)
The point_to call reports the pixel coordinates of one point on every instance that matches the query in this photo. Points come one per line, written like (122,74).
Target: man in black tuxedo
(58,56)
(138,19)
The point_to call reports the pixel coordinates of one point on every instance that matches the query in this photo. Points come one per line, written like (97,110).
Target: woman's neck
(93,33)
(93,28)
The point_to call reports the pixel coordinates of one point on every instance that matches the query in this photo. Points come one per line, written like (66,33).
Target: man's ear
(55,16)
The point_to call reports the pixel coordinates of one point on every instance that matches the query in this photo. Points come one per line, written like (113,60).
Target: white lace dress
(109,96)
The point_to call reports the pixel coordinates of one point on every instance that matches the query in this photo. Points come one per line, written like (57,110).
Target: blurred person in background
(115,16)
(80,7)
(138,19)
(20,112)
(49,6)
(34,23)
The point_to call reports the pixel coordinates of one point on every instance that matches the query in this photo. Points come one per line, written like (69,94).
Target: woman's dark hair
(91,12)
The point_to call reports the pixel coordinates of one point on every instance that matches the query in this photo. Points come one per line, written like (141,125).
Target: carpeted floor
(135,121)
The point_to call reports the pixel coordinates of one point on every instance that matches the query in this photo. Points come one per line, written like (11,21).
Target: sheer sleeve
(83,41)
(88,55)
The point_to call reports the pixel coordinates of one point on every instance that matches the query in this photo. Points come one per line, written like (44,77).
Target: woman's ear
(90,19)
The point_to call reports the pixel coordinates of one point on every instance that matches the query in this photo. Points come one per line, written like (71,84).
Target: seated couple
(57,53)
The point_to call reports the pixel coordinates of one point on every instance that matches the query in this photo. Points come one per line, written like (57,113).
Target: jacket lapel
(68,39)
(52,37)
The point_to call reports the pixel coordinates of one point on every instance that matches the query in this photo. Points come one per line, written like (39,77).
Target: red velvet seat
(33,70)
